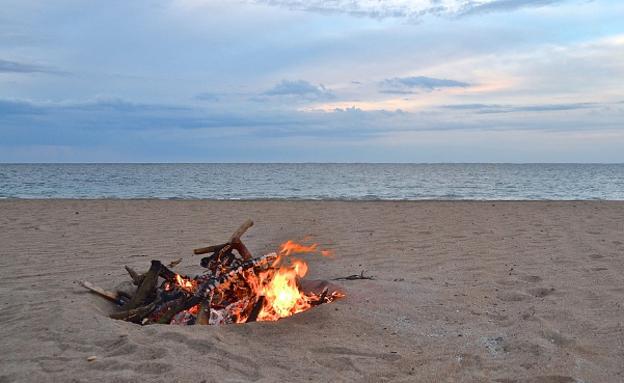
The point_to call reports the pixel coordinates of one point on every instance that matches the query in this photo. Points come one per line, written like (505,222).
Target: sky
(312,81)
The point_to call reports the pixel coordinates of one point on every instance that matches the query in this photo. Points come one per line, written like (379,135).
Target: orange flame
(278,284)
(185,284)
(290,247)
(194,310)
(282,294)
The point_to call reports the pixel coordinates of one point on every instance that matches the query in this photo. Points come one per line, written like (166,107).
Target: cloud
(504,6)
(130,131)
(495,108)
(17,67)
(18,107)
(300,88)
(408,85)
(406,9)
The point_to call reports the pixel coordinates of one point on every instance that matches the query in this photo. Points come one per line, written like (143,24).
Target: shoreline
(287,200)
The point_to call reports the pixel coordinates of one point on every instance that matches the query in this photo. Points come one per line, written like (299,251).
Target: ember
(235,288)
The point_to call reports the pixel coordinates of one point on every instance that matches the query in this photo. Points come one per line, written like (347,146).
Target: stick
(241,230)
(253,316)
(353,277)
(111,296)
(135,314)
(173,264)
(166,274)
(322,297)
(147,286)
(136,277)
(234,239)
(239,246)
(209,249)
(183,303)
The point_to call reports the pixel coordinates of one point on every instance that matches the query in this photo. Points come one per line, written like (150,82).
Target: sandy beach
(463,292)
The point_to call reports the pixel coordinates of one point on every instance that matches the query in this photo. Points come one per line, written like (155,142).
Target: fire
(276,288)
(290,247)
(280,288)
(194,310)
(282,294)
(185,284)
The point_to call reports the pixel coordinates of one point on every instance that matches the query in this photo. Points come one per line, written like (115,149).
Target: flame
(290,247)
(185,284)
(194,310)
(278,284)
(282,295)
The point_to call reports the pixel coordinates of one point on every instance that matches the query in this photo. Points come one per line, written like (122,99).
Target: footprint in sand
(531,278)
(512,296)
(541,292)
(541,379)
(346,351)
(225,359)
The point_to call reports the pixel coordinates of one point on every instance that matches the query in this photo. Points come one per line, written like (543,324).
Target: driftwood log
(234,243)
(134,315)
(111,296)
(136,277)
(146,288)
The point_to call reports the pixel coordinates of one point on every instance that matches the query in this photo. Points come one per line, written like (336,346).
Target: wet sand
(464,292)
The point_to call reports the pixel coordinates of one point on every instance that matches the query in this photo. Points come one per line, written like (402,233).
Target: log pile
(234,288)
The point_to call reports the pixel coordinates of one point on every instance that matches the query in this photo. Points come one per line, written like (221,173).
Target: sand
(464,291)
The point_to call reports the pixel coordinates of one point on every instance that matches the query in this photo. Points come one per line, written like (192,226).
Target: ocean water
(315,181)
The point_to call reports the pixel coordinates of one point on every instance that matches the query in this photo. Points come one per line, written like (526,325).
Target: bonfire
(235,287)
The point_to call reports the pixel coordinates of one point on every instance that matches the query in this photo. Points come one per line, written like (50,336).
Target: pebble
(91,358)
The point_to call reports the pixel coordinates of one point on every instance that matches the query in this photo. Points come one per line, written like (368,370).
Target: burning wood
(235,288)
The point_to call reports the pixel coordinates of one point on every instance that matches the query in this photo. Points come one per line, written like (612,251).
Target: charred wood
(136,314)
(146,288)
(253,315)
(136,277)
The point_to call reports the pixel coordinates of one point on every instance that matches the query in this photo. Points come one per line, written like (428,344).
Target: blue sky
(312,80)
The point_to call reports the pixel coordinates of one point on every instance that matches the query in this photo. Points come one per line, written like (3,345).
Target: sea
(312,181)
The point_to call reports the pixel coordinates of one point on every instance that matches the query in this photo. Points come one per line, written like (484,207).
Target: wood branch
(224,250)
(134,315)
(124,294)
(111,296)
(167,274)
(136,277)
(173,264)
(216,257)
(239,246)
(322,298)
(147,286)
(183,303)
(253,316)
(354,276)
(241,230)
(235,238)
(209,249)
